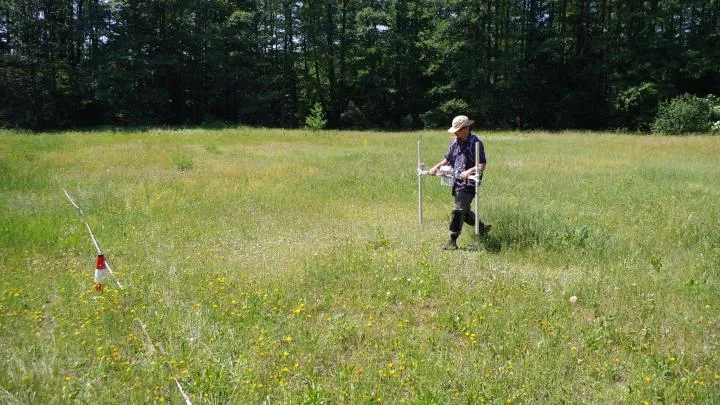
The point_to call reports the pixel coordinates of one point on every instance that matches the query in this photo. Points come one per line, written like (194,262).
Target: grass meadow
(289,267)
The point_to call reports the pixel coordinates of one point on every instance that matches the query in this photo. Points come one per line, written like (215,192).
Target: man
(461,157)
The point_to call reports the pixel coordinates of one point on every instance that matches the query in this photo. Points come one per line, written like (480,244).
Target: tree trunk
(330,36)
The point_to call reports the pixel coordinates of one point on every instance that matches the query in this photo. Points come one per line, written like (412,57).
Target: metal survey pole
(477,187)
(420,167)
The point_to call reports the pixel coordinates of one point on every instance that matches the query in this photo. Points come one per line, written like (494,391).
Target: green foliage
(182,161)
(537,64)
(211,122)
(316,119)
(683,114)
(638,105)
(714,103)
(715,128)
(441,116)
(353,117)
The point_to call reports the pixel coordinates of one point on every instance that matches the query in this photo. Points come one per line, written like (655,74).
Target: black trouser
(461,212)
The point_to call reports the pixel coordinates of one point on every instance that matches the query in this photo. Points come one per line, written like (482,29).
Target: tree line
(389,64)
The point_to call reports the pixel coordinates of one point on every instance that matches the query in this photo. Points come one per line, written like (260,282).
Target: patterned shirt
(461,156)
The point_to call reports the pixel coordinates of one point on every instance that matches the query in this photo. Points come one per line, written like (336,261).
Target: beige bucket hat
(459,122)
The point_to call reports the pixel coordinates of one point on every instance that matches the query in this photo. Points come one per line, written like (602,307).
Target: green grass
(288,266)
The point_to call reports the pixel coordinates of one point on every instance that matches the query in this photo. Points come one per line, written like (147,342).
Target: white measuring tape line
(140,321)
(92,236)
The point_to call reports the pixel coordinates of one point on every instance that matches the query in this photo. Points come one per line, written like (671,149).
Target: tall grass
(288,266)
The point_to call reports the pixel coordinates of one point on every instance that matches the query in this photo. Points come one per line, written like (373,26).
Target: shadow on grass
(551,234)
(519,231)
(488,242)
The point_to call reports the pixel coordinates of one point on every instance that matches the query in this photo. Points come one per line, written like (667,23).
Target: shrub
(353,116)
(683,114)
(440,116)
(714,102)
(316,120)
(637,105)
(182,161)
(212,122)
(714,114)
(715,129)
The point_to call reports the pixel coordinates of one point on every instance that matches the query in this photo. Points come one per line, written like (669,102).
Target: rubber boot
(456,224)
(470,220)
(451,243)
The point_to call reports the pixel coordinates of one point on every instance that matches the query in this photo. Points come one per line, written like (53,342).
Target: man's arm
(471,171)
(435,168)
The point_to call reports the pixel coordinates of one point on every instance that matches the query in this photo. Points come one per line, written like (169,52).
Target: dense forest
(390,64)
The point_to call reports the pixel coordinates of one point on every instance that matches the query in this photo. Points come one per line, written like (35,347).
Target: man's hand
(435,169)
